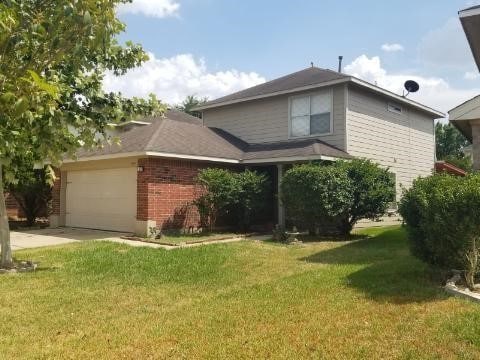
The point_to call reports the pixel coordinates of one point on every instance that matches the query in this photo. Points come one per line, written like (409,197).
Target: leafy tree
(450,143)
(316,196)
(32,188)
(191,102)
(464,163)
(442,214)
(373,189)
(53,55)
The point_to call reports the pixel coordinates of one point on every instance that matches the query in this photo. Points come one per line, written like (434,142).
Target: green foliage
(218,185)
(373,189)
(336,195)
(450,143)
(442,214)
(53,56)
(191,102)
(316,196)
(31,188)
(464,162)
(238,194)
(249,197)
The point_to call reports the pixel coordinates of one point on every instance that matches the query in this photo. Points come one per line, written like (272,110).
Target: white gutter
(397,97)
(469,12)
(291,158)
(151,153)
(202,158)
(348,79)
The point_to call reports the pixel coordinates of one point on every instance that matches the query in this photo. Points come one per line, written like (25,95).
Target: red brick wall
(56,194)
(165,191)
(13,209)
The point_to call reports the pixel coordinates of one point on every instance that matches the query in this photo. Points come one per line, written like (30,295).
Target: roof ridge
(160,126)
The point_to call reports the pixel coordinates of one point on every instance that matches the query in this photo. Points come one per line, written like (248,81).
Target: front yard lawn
(335,300)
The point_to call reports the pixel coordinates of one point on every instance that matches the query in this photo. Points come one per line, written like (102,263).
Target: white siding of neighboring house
(266,120)
(403,142)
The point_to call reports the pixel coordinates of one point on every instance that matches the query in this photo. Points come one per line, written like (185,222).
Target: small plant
(154,232)
(279,234)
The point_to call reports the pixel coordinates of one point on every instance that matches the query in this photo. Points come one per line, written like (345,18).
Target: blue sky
(214,47)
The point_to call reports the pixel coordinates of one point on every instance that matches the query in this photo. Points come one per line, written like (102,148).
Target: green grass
(335,300)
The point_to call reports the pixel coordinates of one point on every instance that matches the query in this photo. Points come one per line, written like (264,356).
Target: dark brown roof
(181,138)
(293,148)
(175,137)
(178,115)
(306,77)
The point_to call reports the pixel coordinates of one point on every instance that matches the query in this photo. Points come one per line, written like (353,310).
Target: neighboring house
(313,114)
(466,116)
(446,167)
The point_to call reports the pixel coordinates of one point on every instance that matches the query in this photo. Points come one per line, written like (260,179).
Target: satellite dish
(411,86)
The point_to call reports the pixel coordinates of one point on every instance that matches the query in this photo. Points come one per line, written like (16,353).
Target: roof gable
(303,78)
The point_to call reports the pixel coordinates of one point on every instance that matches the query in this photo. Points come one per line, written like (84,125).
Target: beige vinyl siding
(404,142)
(266,120)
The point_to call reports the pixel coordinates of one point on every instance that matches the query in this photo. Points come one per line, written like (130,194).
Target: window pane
(321,103)
(300,126)
(300,106)
(320,123)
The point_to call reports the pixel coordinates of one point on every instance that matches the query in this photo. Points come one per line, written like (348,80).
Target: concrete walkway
(52,237)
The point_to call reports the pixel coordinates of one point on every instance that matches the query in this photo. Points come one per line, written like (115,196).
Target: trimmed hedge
(336,196)
(442,216)
(316,197)
(239,196)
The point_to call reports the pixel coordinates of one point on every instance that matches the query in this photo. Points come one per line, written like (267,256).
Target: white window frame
(392,108)
(309,96)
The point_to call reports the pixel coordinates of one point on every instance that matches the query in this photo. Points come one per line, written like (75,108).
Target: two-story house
(313,114)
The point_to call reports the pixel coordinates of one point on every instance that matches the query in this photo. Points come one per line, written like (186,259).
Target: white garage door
(102,199)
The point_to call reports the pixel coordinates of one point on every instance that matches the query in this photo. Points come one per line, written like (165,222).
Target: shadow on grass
(388,273)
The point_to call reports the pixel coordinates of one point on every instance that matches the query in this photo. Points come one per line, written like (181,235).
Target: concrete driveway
(51,237)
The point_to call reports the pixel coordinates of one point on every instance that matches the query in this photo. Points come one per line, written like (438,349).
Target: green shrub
(240,195)
(218,185)
(372,188)
(442,215)
(249,197)
(316,196)
(336,195)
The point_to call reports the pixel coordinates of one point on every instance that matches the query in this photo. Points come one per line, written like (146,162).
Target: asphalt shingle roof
(306,77)
(182,138)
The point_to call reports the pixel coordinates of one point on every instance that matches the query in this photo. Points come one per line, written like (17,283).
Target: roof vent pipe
(340,58)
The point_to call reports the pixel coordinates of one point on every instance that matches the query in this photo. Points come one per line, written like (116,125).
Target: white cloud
(446,46)
(172,79)
(434,91)
(152,8)
(471,75)
(392,47)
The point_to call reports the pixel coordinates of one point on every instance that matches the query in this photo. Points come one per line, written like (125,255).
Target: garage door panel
(102,199)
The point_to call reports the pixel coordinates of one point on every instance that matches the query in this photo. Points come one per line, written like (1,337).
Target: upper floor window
(311,114)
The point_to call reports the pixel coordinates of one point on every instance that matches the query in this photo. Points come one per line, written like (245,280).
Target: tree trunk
(6,260)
